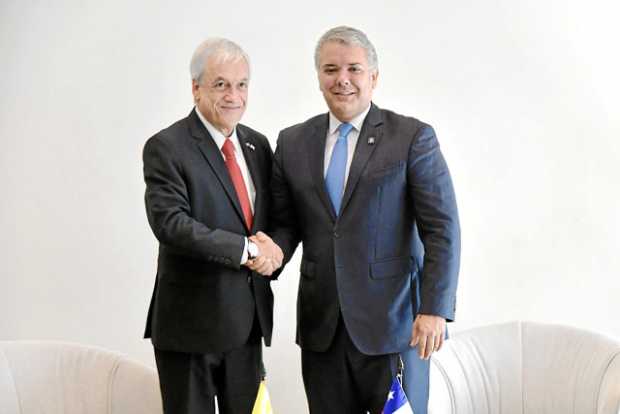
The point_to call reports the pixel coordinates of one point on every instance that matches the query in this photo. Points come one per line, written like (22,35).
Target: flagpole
(400,370)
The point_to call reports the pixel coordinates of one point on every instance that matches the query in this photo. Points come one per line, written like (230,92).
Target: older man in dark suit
(206,194)
(368,193)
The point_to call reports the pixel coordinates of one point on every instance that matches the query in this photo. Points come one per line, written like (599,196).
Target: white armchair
(61,378)
(526,368)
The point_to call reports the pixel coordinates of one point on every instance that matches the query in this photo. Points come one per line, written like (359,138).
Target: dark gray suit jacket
(392,252)
(203,300)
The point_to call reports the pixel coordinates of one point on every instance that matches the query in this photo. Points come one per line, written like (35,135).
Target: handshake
(269,258)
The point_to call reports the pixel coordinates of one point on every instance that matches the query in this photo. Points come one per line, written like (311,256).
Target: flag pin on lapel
(250,146)
(371,141)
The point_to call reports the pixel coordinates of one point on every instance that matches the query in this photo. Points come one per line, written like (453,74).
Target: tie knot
(228,148)
(344,129)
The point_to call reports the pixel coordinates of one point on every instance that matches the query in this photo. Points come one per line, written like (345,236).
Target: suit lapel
(363,150)
(315,147)
(248,147)
(214,157)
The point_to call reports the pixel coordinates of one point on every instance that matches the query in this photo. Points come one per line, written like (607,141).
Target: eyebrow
(332,65)
(219,78)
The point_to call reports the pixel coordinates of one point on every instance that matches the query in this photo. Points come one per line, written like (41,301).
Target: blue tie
(334,180)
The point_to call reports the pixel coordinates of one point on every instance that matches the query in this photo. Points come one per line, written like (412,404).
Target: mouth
(343,95)
(228,109)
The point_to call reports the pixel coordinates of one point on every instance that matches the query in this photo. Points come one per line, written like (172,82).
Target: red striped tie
(237,178)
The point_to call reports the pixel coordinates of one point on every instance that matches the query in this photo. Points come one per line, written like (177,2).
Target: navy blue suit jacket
(393,249)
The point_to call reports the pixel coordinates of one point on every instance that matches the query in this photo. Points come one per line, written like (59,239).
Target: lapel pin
(371,141)
(250,146)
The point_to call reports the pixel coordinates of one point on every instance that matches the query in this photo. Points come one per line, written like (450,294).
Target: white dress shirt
(332,137)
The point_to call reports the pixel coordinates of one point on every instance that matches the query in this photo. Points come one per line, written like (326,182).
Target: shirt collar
(217,136)
(357,122)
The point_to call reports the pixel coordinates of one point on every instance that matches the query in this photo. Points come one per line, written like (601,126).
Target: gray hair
(351,37)
(222,49)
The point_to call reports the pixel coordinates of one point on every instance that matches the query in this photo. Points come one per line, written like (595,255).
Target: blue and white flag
(397,402)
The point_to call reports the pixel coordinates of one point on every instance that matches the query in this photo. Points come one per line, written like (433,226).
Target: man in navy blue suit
(368,193)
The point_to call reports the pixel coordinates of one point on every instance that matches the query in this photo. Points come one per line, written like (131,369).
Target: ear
(374,76)
(195,90)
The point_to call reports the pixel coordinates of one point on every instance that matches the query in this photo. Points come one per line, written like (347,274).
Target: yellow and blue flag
(262,405)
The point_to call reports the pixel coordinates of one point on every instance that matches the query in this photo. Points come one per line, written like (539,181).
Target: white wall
(523,95)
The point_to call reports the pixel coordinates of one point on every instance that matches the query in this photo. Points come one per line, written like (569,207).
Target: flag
(397,402)
(262,405)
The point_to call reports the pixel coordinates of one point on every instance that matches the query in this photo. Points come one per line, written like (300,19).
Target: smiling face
(222,92)
(345,79)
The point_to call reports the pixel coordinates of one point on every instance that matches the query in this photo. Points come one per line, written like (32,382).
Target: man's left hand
(428,333)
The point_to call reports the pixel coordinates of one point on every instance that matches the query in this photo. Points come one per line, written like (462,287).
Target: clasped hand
(270,255)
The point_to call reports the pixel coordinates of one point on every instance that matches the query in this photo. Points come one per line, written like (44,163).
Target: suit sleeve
(283,220)
(169,213)
(431,189)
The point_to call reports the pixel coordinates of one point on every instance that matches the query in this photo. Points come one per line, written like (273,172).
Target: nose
(231,96)
(343,78)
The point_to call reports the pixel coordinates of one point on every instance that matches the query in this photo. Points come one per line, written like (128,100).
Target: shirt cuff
(244,255)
